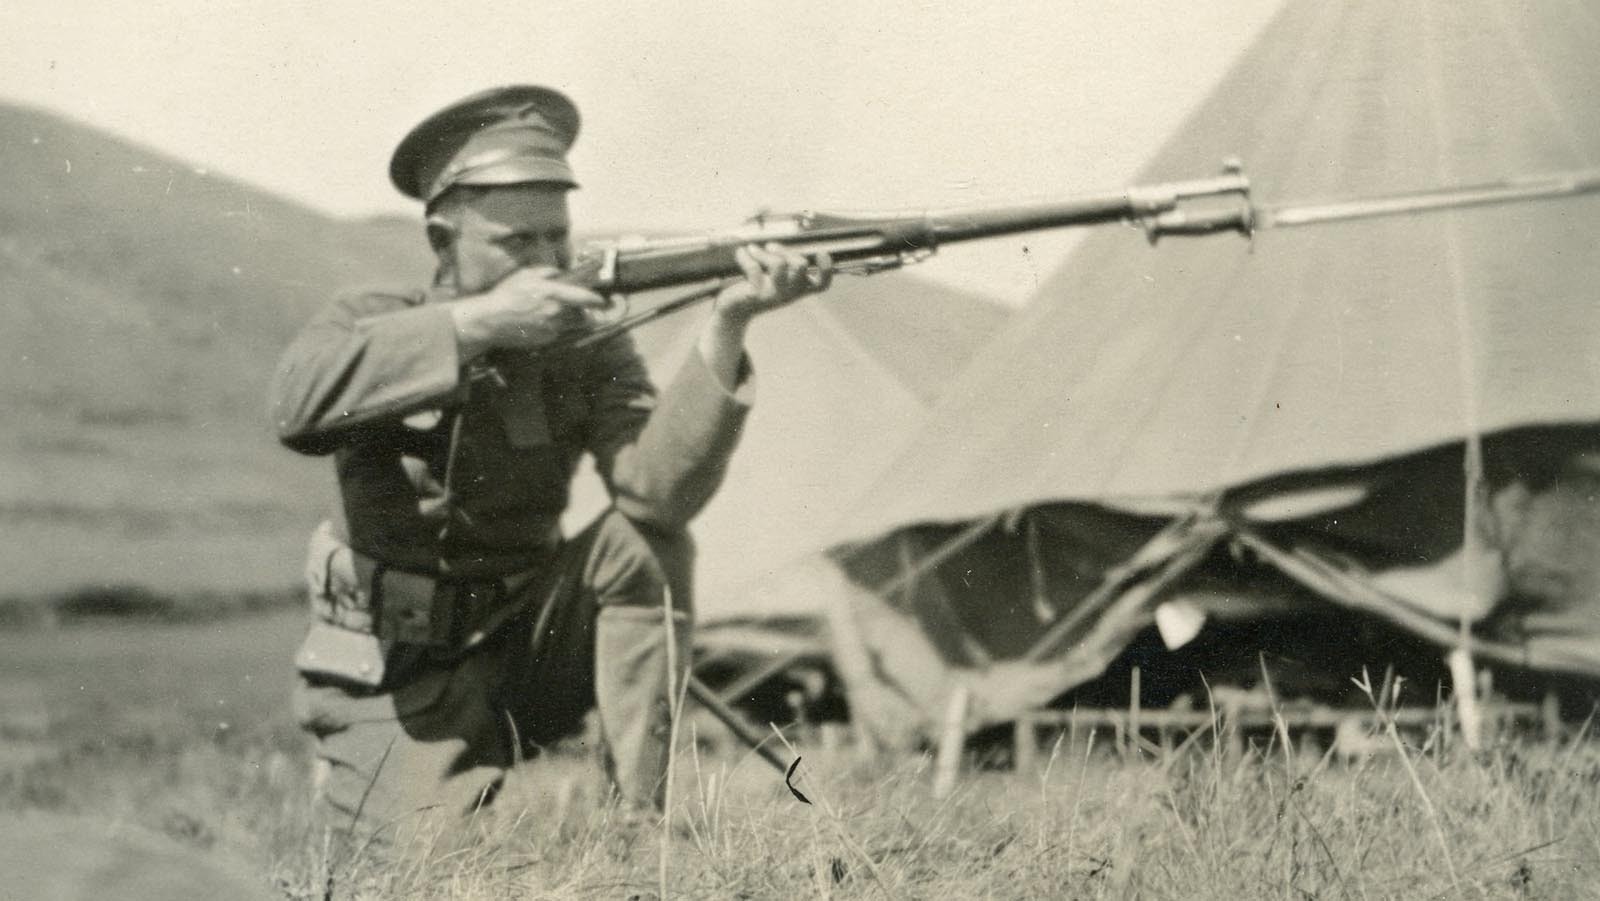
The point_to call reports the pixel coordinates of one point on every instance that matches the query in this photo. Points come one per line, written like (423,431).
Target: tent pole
(1042,608)
(1163,559)
(1024,743)
(1460,658)
(1550,715)
(1134,711)
(949,549)
(952,741)
(1459,661)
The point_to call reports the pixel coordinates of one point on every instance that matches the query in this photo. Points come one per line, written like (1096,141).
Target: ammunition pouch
(361,608)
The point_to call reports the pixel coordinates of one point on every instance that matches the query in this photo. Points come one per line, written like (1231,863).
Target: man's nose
(547,253)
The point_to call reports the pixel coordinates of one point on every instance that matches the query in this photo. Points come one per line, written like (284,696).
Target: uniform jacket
(376,380)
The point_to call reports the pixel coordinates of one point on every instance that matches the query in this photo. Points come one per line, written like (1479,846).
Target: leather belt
(356,592)
(437,612)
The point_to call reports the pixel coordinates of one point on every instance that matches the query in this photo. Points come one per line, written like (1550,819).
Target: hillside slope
(145,301)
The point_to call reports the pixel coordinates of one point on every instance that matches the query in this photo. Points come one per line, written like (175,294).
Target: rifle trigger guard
(615,310)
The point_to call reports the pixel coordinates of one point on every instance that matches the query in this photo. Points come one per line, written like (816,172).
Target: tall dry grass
(1519,820)
(1419,817)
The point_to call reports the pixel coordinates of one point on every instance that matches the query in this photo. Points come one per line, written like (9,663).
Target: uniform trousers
(434,741)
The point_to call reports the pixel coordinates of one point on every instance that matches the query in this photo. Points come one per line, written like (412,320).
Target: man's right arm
(527,310)
(376,357)
(365,358)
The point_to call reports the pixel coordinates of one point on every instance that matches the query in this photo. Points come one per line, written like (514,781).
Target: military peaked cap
(502,136)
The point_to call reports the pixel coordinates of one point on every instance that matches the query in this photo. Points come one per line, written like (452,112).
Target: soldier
(454,628)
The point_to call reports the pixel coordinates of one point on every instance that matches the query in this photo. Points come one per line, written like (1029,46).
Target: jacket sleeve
(365,358)
(663,458)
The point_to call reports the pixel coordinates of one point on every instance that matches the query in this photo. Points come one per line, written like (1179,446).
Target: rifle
(868,243)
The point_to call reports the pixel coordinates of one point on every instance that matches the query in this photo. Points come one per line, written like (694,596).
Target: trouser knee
(632,564)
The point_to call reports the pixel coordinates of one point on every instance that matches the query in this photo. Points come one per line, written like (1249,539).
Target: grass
(134,734)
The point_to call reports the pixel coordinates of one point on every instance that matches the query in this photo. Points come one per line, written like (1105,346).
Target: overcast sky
(695,115)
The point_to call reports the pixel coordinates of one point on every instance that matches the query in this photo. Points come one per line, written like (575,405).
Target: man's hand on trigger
(526,310)
(774,276)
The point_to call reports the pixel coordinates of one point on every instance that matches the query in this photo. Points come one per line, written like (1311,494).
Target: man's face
(503,229)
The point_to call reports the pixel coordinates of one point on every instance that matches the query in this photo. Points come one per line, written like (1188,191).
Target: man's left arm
(664,469)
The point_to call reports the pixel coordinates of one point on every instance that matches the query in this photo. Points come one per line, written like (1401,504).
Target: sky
(696,115)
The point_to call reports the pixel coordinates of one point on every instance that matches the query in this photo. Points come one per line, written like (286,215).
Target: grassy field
(184,729)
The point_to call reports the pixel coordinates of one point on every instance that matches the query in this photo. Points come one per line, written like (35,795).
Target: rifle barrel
(853,238)
(948,226)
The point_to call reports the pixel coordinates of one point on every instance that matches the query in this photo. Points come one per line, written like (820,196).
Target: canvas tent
(1382,428)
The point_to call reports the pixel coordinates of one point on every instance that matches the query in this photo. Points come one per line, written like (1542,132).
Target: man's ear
(441,233)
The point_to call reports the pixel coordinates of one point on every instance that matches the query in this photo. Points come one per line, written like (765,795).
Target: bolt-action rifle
(867,243)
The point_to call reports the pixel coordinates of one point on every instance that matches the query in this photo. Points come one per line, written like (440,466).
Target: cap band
(516,152)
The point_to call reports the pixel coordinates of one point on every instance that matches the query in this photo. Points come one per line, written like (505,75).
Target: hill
(146,300)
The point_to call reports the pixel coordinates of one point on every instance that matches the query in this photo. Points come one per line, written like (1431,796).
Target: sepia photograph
(1091,450)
